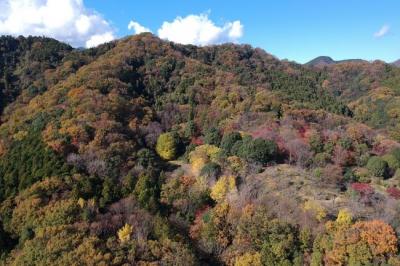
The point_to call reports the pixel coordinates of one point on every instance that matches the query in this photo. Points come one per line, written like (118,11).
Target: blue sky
(297,30)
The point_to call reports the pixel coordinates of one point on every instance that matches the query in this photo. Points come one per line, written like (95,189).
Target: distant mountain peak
(396,63)
(322,61)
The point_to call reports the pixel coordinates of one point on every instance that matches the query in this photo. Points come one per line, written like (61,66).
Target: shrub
(377,167)
(262,150)
(145,157)
(190,129)
(393,192)
(397,173)
(321,159)
(318,172)
(235,163)
(350,176)
(167,146)
(346,143)
(392,161)
(362,188)
(236,149)
(26,234)
(316,144)
(189,148)
(329,147)
(363,159)
(256,150)
(361,148)
(396,153)
(229,140)
(211,170)
(212,137)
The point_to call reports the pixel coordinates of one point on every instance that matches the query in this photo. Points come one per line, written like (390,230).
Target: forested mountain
(148,152)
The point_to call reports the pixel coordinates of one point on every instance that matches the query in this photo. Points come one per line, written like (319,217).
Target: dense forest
(147,152)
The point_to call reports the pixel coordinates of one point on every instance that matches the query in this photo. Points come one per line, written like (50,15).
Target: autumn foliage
(147,152)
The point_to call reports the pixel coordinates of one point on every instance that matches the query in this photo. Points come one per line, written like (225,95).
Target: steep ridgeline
(23,63)
(28,65)
(143,151)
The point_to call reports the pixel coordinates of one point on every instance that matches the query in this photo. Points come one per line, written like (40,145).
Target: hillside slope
(145,151)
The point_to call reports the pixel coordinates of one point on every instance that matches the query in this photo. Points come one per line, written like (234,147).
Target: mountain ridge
(396,63)
(322,61)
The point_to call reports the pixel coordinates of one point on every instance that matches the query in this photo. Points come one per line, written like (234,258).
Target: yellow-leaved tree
(166,146)
(249,259)
(124,234)
(344,217)
(81,203)
(313,206)
(223,186)
(202,155)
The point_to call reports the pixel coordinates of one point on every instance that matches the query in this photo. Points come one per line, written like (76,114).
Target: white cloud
(65,20)
(99,39)
(384,30)
(137,28)
(200,30)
